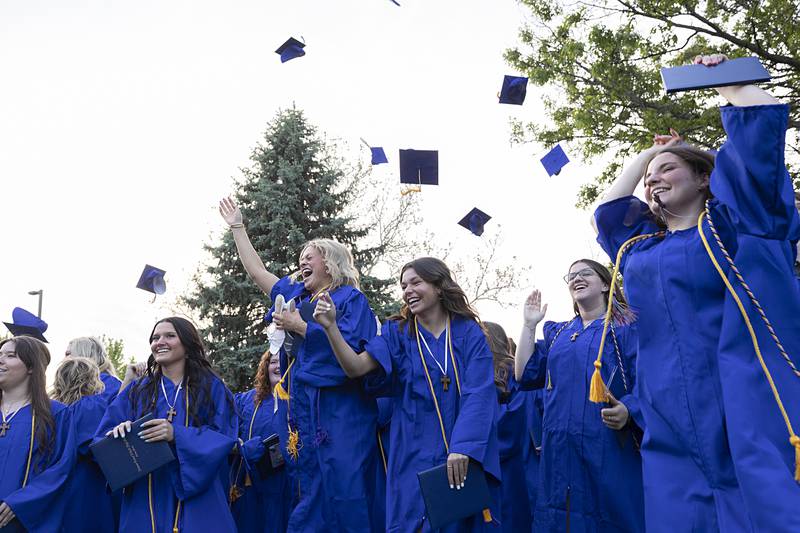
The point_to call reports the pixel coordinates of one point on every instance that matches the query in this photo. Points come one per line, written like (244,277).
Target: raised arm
(354,364)
(247,254)
(738,95)
(533,313)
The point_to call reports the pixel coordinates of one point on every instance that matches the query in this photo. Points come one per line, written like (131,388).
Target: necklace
(445,379)
(171,412)
(6,424)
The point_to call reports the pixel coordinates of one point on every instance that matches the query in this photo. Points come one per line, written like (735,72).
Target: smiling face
(672,180)
(274,370)
(585,285)
(313,270)
(13,371)
(418,294)
(166,345)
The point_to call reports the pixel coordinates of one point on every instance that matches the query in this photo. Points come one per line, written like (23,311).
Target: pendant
(574,336)
(171,414)
(3,427)
(445,382)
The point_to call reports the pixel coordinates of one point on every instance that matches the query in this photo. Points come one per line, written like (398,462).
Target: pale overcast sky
(123,123)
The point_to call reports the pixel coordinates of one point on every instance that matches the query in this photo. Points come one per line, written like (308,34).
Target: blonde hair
(92,348)
(76,377)
(338,262)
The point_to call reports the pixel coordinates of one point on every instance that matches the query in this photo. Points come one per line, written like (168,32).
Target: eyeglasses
(585,273)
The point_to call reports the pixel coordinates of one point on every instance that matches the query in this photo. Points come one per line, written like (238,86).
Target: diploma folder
(272,460)
(741,71)
(125,460)
(445,505)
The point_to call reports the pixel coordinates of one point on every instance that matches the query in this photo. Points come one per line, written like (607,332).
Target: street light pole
(40,292)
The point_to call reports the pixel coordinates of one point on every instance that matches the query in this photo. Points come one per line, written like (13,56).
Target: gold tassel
(293,446)
(795,440)
(487,516)
(415,188)
(247,481)
(234,494)
(280,391)
(597,389)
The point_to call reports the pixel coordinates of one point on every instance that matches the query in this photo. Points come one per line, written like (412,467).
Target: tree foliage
(297,189)
(114,351)
(601,60)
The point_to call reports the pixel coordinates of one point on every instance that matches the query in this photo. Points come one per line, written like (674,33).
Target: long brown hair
(502,354)
(35,355)
(699,161)
(452,298)
(620,311)
(75,378)
(262,384)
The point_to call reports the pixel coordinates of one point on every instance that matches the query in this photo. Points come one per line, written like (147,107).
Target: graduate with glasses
(433,361)
(590,476)
(328,424)
(36,450)
(194,412)
(707,261)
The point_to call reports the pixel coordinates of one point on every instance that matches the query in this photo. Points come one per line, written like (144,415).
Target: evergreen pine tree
(296,190)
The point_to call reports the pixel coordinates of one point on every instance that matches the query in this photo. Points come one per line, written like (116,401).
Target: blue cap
(554,160)
(474,221)
(395,2)
(378,155)
(513,91)
(152,280)
(26,323)
(291,49)
(419,167)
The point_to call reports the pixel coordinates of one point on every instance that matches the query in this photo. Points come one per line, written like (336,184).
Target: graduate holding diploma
(707,261)
(194,412)
(35,440)
(434,362)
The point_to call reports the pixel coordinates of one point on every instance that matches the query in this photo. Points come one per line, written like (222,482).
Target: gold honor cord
(30,448)
(487,515)
(793,438)
(234,492)
(383,454)
(150,476)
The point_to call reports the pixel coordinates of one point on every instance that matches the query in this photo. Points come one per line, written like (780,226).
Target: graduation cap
(378,155)
(419,167)
(554,160)
(24,322)
(395,2)
(152,280)
(474,221)
(291,49)
(741,71)
(513,90)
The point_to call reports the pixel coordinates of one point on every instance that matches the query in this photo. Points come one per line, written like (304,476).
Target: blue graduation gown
(384,424)
(264,506)
(112,387)
(334,475)
(532,446)
(195,477)
(87,487)
(416,441)
(39,506)
(716,450)
(513,436)
(590,477)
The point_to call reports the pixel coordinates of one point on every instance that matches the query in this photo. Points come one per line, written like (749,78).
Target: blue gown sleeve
(381,382)
(629,347)
(478,405)
(621,219)
(201,451)
(750,178)
(252,451)
(118,411)
(534,376)
(39,505)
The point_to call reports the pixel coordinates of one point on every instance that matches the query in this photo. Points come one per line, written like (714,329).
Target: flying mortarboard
(24,322)
(513,90)
(741,71)
(419,167)
(291,49)
(475,221)
(395,2)
(554,160)
(378,155)
(152,280)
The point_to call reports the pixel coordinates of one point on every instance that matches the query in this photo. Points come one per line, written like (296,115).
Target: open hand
(616,416)
(533,312)
(6,515)
(230,211)
(156,430)
(325,312)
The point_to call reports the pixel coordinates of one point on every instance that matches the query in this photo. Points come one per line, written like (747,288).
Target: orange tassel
(795,440)
(293,445)
(597,389)
(487,516)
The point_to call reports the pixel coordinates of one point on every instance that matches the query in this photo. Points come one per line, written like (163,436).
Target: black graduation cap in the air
(419,167)
(152,280)
(291,49)
(554,160)
(475,221)
(513,90)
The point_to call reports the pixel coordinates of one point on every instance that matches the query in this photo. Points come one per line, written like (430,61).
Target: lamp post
(40,292)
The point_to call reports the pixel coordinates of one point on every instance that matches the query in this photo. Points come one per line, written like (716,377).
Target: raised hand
(230,211)
(325,312)
(710,60)
(533,311)
(665,141)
